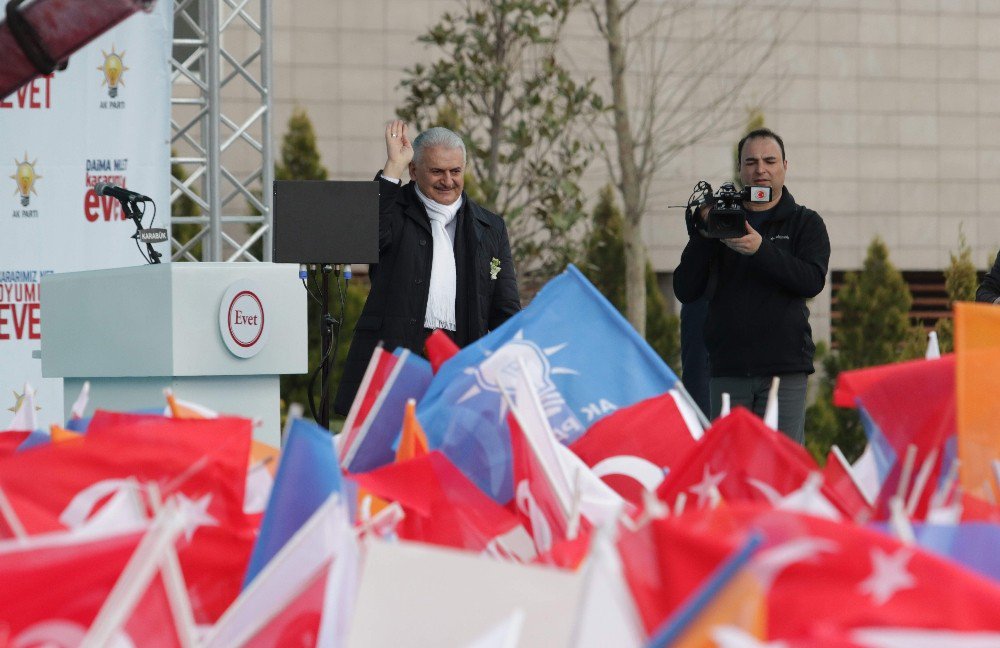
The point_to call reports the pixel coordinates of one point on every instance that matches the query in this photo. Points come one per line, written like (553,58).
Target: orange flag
(413,441)
(977,350)
(261,452)
(183,409)
(60,434)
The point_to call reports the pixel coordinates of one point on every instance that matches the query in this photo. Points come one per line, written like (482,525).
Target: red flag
(535,499)
(53,591)
(647,438)
(914,405)
(978,510)
(837,477)
(223,442)
(822,579)
(204,462)
(442,506)
(297,623)
(874,579)
(666,560)
(740,458)
(440,348)
(9,441)
(851,383)
(152,622)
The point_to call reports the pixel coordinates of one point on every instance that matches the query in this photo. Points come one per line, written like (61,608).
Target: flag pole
(679,386)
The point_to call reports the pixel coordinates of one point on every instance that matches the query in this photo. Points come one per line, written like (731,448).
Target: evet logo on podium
(242,319)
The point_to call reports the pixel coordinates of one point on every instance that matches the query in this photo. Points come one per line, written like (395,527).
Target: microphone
(122,194)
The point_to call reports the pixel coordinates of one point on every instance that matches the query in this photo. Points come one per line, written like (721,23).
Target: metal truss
(221,155)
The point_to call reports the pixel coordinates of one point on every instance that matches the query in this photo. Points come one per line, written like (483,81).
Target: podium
(218,334)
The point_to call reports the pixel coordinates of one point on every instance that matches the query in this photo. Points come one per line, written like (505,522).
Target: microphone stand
(131,209)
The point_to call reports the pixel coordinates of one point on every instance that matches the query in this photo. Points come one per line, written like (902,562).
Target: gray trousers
(751,393)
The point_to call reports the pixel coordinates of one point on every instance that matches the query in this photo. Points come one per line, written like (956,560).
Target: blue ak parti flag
(308,473)
(584,359)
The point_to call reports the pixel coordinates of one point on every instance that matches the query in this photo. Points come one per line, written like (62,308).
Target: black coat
(758,321)
(394,311)
(989,290)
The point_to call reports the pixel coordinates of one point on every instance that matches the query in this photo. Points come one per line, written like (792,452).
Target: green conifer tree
(960,282)
(300,159)
(874,328)
(604,266)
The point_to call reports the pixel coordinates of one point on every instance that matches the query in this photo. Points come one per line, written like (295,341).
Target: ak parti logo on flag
(25,175)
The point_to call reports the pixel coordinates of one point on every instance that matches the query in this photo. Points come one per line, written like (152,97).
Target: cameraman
(757,286)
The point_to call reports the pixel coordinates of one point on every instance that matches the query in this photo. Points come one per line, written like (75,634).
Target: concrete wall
(890,110)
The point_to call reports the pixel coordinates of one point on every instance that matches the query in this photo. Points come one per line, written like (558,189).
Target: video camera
(727,216)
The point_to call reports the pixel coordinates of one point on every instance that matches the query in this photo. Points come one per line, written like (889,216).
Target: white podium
(219,334)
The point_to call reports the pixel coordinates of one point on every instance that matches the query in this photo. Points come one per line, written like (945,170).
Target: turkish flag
(822,579)
(740,458)
(535,500)
(152,623)
(53,591)
(875,580)
(203,463)
(442,505)
(650,436)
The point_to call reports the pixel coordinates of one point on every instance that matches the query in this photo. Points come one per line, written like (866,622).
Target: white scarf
(440,312)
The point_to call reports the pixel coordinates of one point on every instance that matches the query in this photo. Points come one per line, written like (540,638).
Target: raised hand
(398,149)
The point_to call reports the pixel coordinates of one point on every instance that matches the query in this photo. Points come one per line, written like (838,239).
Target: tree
(678,100)
(300,160)
(604,264)
(874,329)
(501,86)
(960,282)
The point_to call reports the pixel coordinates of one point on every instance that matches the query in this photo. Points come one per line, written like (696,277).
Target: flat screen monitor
(325,221)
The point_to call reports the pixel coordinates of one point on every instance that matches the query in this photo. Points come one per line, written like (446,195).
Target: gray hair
(437,136)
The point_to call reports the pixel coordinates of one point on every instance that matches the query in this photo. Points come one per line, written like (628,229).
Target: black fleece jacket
(758,321)
(989,290)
